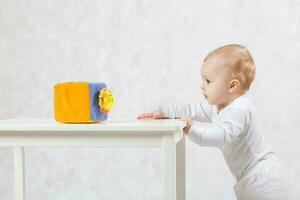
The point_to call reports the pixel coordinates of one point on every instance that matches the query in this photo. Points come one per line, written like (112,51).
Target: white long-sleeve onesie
(234,131)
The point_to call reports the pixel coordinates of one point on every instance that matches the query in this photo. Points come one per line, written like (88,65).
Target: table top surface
(169,125)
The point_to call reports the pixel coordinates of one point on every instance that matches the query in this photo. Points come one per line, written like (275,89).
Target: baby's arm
(201,111)
(230,126)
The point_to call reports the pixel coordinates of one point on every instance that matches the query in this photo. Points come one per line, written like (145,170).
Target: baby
(227,74)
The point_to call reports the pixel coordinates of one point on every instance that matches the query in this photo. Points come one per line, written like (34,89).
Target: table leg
(19,174)
(180,169)
(174,168)
(169,176)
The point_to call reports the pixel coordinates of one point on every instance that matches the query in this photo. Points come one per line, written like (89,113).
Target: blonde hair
(240,62)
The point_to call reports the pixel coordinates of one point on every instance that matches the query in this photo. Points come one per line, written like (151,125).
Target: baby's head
(227,72)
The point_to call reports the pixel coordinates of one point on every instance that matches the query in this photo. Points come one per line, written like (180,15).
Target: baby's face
(215,81)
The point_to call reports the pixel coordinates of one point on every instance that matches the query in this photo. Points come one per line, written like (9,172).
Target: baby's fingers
(145,115)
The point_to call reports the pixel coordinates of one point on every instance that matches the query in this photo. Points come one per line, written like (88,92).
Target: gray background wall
(149,53)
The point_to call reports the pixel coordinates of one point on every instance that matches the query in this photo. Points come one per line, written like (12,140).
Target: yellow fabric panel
(72,102)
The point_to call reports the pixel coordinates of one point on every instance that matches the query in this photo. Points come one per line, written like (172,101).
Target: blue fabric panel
(95,113)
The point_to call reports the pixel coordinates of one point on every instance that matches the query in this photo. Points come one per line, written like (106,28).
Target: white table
(166,134)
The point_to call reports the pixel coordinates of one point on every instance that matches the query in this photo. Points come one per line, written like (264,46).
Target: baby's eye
(207,81)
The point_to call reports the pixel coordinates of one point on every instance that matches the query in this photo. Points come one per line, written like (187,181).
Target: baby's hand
(189,123)
(157,114)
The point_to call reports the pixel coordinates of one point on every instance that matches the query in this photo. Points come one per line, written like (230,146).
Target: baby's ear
(234,85)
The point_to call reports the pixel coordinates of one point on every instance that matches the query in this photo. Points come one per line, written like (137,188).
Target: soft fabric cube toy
(81,102)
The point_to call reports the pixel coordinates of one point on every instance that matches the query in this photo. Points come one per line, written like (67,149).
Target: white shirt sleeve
(201,111)
(224,130)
